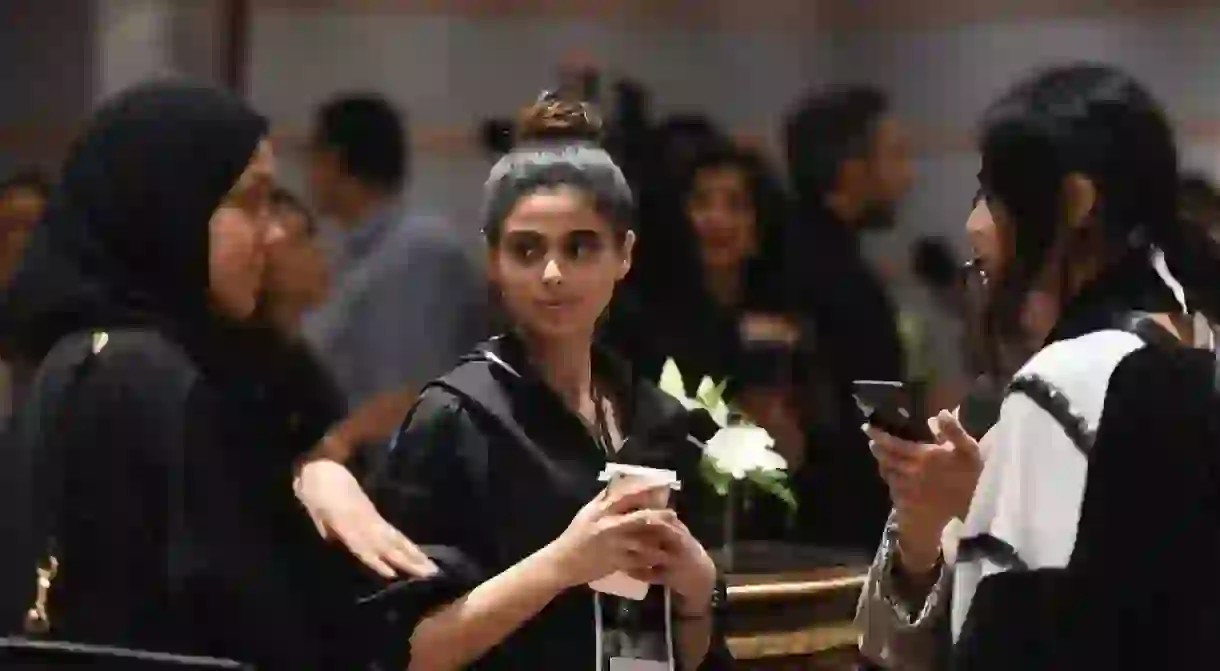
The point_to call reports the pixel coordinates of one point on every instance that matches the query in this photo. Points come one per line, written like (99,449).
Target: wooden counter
(795,620)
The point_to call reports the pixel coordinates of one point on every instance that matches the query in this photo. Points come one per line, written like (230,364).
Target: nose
(551,272)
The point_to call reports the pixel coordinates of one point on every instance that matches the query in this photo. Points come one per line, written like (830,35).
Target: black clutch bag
(19,654)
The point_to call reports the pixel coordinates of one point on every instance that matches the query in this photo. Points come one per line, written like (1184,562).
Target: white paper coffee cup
(619,477)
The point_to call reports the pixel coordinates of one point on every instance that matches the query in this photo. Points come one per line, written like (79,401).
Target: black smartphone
(886,405)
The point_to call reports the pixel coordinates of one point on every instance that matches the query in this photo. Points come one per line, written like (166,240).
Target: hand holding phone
(885,405)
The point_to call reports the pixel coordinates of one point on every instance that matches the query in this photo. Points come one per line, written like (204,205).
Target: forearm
(376,419)
(463,631)
(899,615)
(693,638)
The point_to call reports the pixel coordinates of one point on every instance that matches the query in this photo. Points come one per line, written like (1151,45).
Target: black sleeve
(245,600)
(433,488)
(1135,593)
(176,515)
(852,319)
(133,461)
(112,432)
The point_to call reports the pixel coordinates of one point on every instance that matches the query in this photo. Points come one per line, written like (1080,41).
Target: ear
(626,253)
(1079,199)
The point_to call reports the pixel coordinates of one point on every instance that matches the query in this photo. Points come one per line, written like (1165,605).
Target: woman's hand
(686,569)
(929,483)
(342,511)
(608,535)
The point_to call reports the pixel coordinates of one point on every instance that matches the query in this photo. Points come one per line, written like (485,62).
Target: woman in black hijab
(160,430)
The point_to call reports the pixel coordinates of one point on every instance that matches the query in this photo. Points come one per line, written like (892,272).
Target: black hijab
(125,239)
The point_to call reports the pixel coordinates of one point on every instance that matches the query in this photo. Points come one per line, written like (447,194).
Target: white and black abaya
(1096,521)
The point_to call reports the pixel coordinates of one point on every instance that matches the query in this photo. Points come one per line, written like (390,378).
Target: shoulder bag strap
(48,476)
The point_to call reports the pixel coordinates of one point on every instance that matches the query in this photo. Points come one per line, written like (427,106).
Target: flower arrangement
(740,450)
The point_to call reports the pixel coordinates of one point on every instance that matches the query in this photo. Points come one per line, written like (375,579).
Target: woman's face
(984,236)
(557,263)
(237,236)
(722,214)
(986,230)
(296,272)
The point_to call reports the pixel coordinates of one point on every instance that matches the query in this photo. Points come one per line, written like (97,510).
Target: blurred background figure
(848,166)
(1199,203)
(406,301)
(23,198)
(711,252)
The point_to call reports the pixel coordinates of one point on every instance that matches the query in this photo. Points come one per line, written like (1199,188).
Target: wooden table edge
(812,641)
(794,589)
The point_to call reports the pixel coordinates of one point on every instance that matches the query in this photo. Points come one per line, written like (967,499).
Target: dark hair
(557,120)
(826,129)
(669,256)
(282,198)
(1199,201)
(1099,122)
(27,180)
(369,136)
(557,146)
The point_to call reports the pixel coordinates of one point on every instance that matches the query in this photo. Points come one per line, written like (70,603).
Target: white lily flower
(711,397)
(671,383)
(741,450)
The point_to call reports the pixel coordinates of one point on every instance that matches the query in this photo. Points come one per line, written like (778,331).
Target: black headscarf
(125,239)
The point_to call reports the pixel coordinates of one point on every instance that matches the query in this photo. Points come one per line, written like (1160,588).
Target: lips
(557,303)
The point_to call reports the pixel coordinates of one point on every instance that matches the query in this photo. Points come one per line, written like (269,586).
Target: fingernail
(865,427)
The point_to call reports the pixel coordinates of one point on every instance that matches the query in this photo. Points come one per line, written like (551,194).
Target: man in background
(849,167)
(23,198)
(406,301)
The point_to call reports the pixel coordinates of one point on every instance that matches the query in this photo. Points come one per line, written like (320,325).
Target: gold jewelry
(37,619)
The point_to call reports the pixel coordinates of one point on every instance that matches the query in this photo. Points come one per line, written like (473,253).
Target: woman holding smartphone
(496,470)
(1099,478)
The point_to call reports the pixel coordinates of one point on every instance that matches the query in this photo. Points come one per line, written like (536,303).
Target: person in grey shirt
(407,300)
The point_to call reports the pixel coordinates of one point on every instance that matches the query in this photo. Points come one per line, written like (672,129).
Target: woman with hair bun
(495,471)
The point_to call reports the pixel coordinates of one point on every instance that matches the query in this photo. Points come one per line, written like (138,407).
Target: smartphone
(886,405)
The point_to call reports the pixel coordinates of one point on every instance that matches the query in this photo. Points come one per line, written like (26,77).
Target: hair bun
(555,119)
